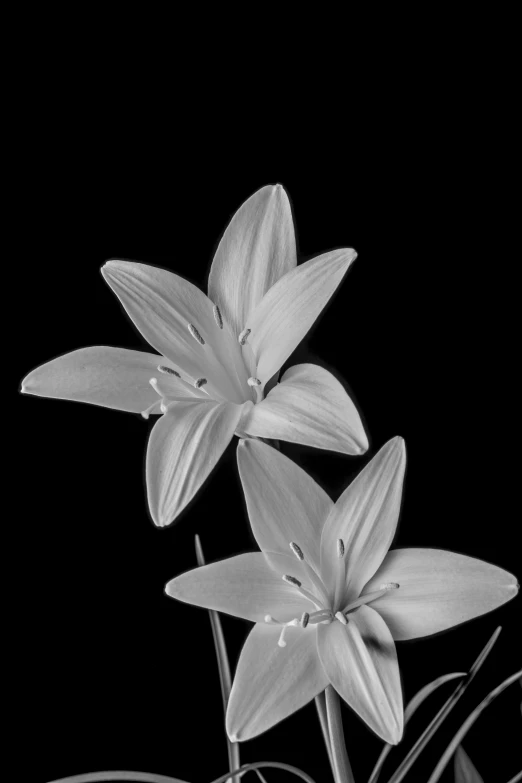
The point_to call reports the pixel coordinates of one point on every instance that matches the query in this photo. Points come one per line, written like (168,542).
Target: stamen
(291,580)
(369,597)
(340,547)
(217,316)
(342,619)
(243,337)
(304,619)
(147,411)
(195,334)
(154,383)
(269,619)
(254,382)
(200,382)
(168,371)
(323,615)
(296,549)
(281,642)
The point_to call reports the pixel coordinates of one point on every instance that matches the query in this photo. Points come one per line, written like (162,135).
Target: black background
(113,673)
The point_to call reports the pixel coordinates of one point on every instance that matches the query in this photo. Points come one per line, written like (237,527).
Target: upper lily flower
(217,355)
(328,598)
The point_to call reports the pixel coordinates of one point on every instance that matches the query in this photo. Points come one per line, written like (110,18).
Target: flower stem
(320,703)
(342,769)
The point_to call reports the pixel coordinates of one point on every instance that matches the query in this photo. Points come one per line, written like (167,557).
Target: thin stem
(342,769)
(136,777)
(225,678)
(258,764)
(320,703)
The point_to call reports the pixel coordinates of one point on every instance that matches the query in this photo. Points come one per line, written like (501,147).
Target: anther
(195,334)
(304,619)
(342,619)
(269,618)
(389,586)
(296,549)
(340,547)
(243,337)
(254,382)
(217,316)
(154,383)
(200,382)
(291,580)
(168,371)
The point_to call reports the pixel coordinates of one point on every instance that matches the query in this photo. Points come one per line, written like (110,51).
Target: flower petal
(361,663)
(287,311)
(365,517)
(257,248)
(284,503)
(309,406)
(438,589)
(101,375)
(245,586)
(162,305)
(184,446)
(272,682)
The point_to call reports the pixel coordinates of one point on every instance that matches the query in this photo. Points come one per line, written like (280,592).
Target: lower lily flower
(217,354)
(327,597)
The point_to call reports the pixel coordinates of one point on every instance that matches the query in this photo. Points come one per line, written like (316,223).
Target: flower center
(326,604)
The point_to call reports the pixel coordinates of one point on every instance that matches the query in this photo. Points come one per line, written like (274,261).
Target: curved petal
(361,663)
(272,682)
(365,517)
(257,248)
(184,446)
(245,586)
(102,375)
(309,406)
(287,311)
(284,503)
(162,305)
(438,589)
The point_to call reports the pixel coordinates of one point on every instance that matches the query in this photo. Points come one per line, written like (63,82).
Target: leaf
(465,771)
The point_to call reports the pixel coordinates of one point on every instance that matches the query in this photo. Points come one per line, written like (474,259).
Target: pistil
(369,597)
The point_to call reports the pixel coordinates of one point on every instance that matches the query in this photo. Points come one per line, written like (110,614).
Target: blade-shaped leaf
(468,723)
(412,706)
(444,711)
(464,770)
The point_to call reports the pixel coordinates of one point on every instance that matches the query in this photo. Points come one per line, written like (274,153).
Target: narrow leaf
(468,723)
(118,775)
(225,678)
(412,706)
(464,769)
(442,714)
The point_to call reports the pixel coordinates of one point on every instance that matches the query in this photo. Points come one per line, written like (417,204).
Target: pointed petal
(438,589)
(284,503)
(103,375)
(162,305)
(361,663)
(257,249)
(245,586)
(184,446)
(309,406)
(290,307)
(365,517)
(272,682)
(465,770)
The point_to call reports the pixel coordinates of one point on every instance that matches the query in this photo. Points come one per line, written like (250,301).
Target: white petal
(184,446)
(361,663)
(309,406)
(257,248)
(290,307)
(284,503)
(365,517)
(245,586)
(438,589)
(272,682)
(102,375)
(162,305)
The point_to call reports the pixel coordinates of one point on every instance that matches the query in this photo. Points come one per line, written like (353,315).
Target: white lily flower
(327,597)
(217,354)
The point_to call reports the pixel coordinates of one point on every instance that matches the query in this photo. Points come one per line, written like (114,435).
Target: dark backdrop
(114,673)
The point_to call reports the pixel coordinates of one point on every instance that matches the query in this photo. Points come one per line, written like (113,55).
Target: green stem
(342,769)
(320,703)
